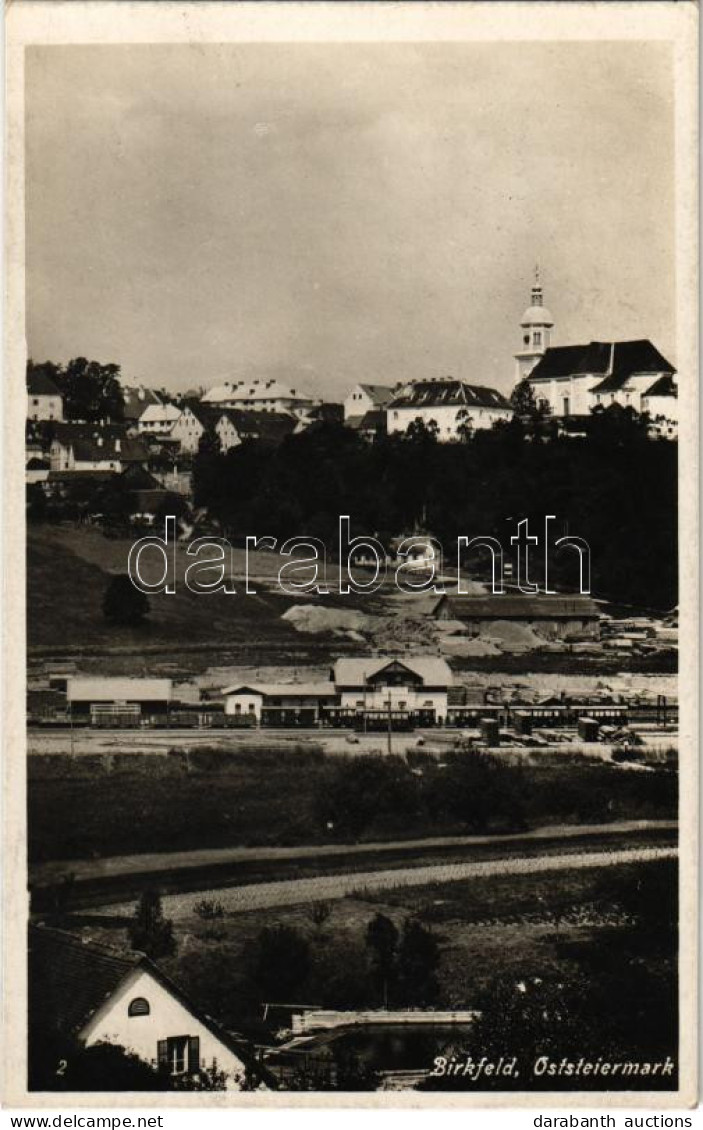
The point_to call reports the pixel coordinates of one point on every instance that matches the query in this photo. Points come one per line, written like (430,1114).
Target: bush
(208,909)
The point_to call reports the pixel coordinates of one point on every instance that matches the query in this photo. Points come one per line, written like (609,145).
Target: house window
(179,1055)
(567,405)
(139,1007)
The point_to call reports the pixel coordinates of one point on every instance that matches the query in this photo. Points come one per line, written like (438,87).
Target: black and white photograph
(356,395)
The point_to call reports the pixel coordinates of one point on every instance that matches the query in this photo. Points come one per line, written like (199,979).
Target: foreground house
(455,407)
(554,617)
(96,994)
(381,691)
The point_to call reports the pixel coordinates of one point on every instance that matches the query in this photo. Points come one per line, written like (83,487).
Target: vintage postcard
(351,465)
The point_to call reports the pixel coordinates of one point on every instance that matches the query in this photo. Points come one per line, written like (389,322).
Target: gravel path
(259,896)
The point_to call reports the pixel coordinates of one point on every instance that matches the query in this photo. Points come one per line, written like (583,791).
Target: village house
(367,398)
(158,419)
(94,447)
(234,426)
(136,399)
(96,994)
(188,429)
(257,395)
(378,690)
(44,401)
(369,426)
(552,616)
(454,406)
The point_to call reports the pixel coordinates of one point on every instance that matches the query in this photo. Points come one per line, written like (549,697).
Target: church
(575,380)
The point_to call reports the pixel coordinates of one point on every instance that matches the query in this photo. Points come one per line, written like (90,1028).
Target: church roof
(614,361)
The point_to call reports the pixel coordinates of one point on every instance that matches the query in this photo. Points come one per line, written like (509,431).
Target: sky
(335,213)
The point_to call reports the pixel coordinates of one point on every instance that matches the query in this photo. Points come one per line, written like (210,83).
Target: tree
(123,604)
(465,426)
(526,411)
(418,431)
(148,930)
(282,962)
(61,1063)
(418,958)
(382,940)
(91,391)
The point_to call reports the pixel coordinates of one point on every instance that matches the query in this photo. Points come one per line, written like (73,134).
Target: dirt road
(258,896)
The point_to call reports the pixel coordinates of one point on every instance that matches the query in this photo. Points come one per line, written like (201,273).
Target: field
(67,573)
(136,803)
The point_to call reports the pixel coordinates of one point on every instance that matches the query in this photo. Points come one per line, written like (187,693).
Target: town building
(369,426)
(379,691)
(367,398)
(97,994)
(453,406)
(158,419)
(44,401)
(94,447)
(234,426)
(136,400)
(552,616)
(257,395)
(103,697)
(188,429)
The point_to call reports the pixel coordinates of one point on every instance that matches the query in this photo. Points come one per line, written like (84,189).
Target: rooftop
(447,391)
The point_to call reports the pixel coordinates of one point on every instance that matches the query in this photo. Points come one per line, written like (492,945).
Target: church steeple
(537,324)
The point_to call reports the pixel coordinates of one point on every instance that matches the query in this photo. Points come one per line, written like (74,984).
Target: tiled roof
(269,427)
(665,386)
(354,672)
(39,384)
(370,421)
(281,690)
(380,394)
(244,391)
(447,392)
(137,399)
(507,606)
(69,980)
(159,413)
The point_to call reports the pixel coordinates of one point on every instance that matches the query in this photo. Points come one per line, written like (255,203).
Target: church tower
(537,325)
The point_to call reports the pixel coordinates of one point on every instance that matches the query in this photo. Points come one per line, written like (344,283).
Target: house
(94,447)
(95,697)
(367,398)
(234,426)
(158,419)
(372,690)
(44,401)
(369,426)
(257,395)
(280,704)
(36,470)
(188,429)
(97,994)
(452,405)
(660,402)
(554,617)
(324,413)
(136,399)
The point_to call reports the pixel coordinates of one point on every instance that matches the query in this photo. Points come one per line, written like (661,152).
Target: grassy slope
(68,570)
